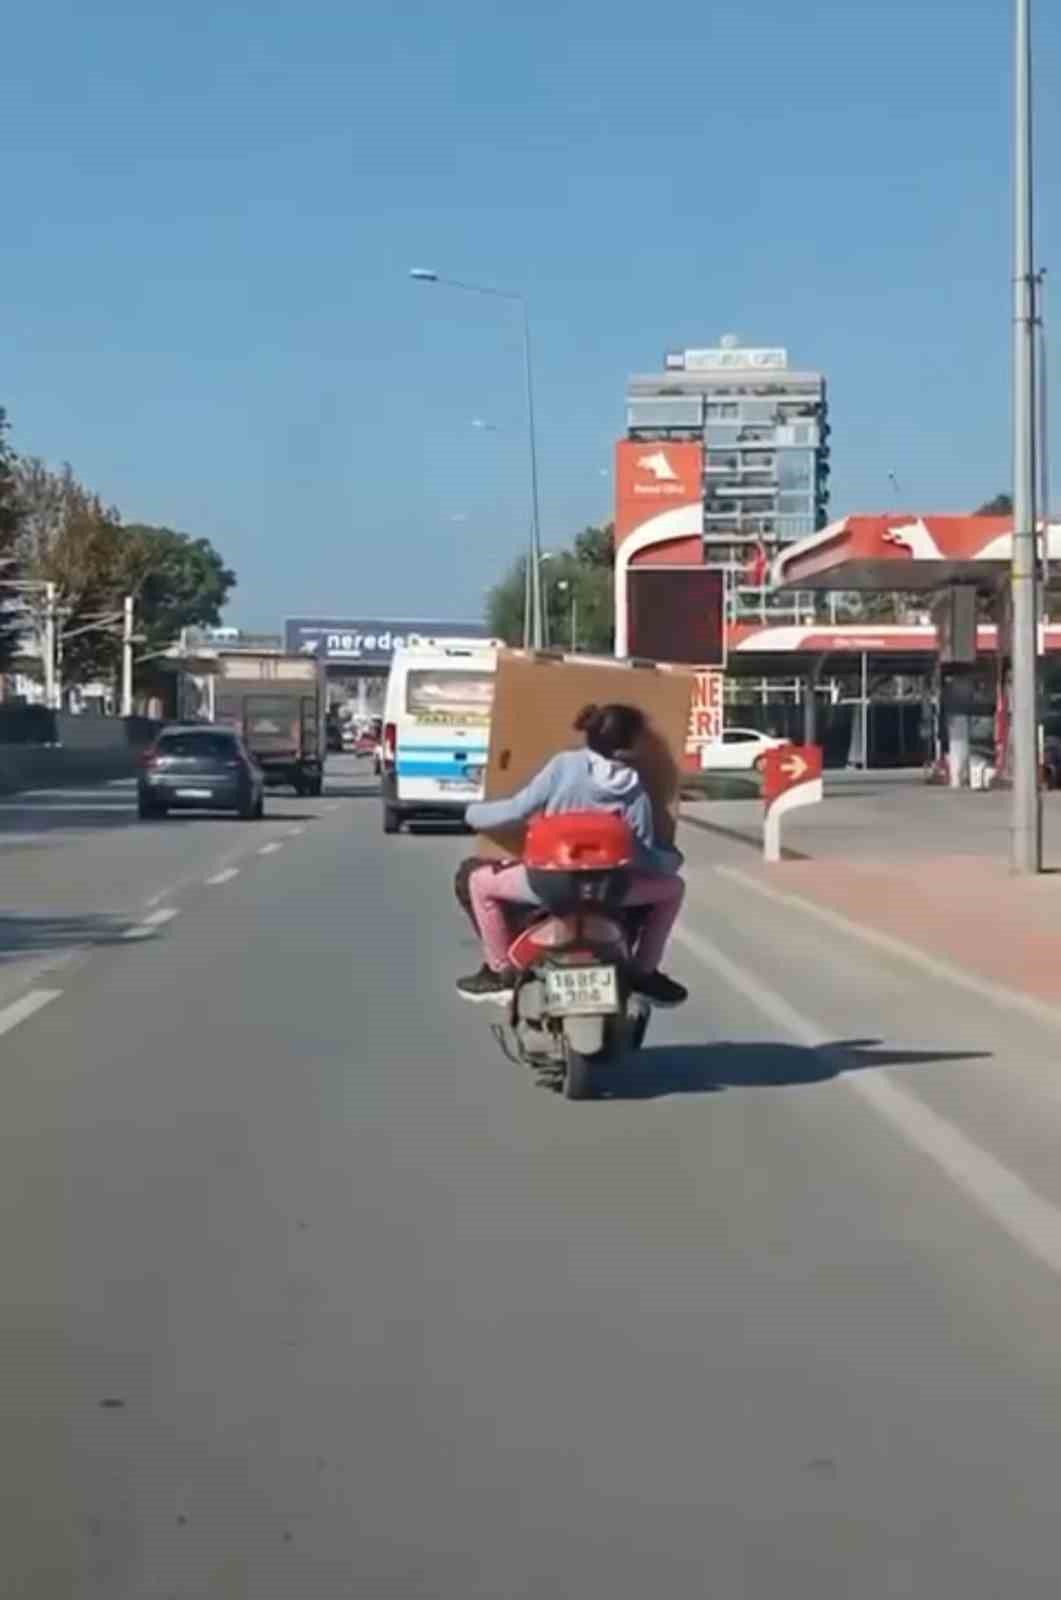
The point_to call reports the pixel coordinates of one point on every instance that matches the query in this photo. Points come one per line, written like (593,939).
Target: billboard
(727,359)
(676,614)
(654,478)
(368,641)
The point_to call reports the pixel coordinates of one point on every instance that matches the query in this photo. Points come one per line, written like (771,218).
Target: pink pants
(490,891)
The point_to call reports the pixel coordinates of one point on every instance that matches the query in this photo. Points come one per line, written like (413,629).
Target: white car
(738,750)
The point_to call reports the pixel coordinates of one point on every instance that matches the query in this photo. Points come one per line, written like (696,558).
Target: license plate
(581,991)
(458,785)
(194,794)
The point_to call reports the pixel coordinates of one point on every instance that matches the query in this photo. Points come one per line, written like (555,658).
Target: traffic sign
(792,777)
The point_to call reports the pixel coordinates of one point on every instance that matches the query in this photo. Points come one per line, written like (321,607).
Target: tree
(1000,506)
(10,627)
(582,576)
(176,581)
(67,537)
(595,547)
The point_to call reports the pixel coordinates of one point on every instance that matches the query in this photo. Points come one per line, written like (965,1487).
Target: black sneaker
(486,984)
(658,988)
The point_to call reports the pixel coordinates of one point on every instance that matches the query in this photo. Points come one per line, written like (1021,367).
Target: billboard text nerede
(368,641)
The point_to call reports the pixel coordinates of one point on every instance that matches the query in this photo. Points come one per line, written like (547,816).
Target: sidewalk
(923,869)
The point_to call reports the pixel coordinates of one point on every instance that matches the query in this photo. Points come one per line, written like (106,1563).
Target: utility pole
(51,699)
(127,656)
(1026,823)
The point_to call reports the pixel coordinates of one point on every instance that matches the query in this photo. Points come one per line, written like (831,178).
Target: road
(309,1292)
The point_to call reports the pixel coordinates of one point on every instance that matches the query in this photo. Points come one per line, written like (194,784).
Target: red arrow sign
(789,765)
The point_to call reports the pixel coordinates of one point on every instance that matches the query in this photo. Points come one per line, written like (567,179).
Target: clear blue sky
(210,209)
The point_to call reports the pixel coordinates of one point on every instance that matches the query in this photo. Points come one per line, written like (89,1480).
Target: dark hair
(611,730)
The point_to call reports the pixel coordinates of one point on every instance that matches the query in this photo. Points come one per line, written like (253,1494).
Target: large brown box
(537,697)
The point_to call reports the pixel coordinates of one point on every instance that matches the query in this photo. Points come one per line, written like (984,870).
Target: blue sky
(210,211)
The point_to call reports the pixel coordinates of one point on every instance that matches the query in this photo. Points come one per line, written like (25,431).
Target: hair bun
(586,718)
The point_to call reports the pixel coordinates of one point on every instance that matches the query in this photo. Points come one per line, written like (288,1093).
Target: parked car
(200,769)
(739,750)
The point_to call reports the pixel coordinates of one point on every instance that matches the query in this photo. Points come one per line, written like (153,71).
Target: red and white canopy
(901,551)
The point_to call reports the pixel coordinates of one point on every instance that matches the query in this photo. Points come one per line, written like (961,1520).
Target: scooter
(573,1015)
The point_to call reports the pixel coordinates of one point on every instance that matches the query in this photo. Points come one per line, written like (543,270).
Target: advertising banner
(368,641)
(654,479)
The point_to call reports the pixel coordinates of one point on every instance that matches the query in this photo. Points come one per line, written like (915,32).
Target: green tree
(177,582)
(595,547)
(69,538)
(1000,506)
(582,575)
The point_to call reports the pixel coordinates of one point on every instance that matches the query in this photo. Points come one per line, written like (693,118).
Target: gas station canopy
(903,552)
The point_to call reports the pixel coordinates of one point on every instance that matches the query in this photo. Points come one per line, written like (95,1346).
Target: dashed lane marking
(223,877)
(152,923)
(25,1006)
(270,849)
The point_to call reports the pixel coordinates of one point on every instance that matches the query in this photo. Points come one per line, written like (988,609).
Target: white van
(436,728)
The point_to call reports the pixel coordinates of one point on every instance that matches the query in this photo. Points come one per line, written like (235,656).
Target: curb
(936,966)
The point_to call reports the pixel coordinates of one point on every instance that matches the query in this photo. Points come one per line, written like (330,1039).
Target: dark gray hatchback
(200,769)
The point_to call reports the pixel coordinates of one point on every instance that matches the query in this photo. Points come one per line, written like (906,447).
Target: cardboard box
(537,697)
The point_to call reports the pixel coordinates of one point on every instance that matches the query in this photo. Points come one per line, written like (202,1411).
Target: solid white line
(936,966)
(20,1009)
(145,929)
(1030,1220)
(270,849)
(223,877)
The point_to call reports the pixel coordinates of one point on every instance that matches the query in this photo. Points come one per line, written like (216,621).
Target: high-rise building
(765,435)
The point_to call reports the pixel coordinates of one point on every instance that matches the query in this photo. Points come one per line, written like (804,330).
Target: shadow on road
(710,1068)
(351,791)
(29,935)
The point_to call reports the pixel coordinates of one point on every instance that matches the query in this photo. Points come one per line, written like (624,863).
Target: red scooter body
(573,1013)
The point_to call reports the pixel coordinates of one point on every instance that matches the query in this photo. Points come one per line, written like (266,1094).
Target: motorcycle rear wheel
(578,1075)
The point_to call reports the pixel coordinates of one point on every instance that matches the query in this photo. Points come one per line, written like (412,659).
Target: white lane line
(223,877)
(333,807)
(936,966)
(270,849)
(152,923)
(25,1006)
(1030,1221)
(293,833)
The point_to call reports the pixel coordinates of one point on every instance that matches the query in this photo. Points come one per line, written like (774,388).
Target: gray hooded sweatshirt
(581,780)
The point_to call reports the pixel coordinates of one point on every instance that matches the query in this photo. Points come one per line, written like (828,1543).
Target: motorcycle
(573,1014)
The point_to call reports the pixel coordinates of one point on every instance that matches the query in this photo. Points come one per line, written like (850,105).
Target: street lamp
(1026,825)
(534,620)
(565,586)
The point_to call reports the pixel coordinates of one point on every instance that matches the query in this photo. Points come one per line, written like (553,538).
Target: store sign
(726,360)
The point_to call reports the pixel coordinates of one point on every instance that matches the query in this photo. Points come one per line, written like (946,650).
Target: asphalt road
(309,1293)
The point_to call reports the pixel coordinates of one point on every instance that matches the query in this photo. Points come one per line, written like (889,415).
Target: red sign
(652,477)
(788,766)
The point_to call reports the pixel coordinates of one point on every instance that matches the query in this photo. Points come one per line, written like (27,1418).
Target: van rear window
(447,698)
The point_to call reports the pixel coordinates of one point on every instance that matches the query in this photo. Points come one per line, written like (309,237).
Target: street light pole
(1026,823)
(535,622)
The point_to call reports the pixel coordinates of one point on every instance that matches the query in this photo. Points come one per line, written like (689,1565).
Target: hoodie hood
(611,780)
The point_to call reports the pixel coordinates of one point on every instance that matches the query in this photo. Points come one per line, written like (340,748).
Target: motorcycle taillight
(555,937)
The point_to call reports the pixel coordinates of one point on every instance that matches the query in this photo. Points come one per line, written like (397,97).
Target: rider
(600,777)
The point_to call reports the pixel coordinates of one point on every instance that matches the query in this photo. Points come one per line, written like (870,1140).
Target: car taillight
(390,744)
